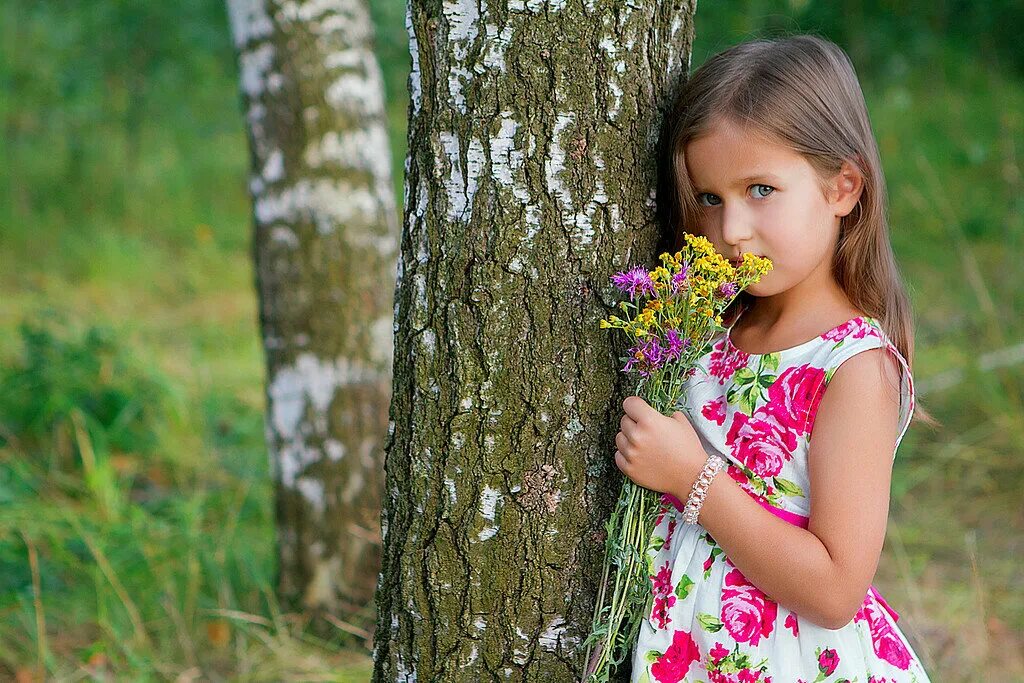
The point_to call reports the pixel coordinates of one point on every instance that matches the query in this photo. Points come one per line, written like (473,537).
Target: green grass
(137,531)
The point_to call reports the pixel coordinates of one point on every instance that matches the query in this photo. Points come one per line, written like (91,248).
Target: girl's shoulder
(864,333)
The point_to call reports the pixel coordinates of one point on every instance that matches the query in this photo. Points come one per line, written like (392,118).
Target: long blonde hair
(802,91)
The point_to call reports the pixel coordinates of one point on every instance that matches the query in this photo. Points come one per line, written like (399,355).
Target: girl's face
(758,196)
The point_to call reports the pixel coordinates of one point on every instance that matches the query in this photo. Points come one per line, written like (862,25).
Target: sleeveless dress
(707,622)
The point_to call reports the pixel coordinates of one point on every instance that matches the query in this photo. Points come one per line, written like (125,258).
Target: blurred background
(136,522)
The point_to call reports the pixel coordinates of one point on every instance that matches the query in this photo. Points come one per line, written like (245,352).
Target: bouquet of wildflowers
(675,312)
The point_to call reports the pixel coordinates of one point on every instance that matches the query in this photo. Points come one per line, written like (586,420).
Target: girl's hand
(656,451)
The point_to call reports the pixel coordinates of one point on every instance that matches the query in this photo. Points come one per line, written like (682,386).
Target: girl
(802,400)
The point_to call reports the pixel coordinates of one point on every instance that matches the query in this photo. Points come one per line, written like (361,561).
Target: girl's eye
(700,197)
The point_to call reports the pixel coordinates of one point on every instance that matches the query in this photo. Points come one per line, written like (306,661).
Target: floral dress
(707,622)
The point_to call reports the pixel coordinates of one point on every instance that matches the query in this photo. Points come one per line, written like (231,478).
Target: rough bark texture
(530,180)
(325,243)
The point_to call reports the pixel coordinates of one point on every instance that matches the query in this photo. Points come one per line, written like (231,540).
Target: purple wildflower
(728,289)
(679,279)
(676,345)
(636,280)
(654,352)
(646,357)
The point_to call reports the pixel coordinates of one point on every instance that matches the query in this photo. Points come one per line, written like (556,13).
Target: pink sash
(802,522)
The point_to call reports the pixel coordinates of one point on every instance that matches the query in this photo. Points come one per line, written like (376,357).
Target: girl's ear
(847,186)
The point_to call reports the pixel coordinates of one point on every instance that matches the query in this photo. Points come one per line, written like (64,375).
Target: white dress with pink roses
(708,623)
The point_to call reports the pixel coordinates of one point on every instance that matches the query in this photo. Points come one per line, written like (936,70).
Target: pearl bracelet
(712,466)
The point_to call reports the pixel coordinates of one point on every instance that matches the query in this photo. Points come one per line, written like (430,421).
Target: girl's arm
(823,572)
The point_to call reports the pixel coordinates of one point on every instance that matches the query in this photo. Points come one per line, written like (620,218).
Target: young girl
(800,404)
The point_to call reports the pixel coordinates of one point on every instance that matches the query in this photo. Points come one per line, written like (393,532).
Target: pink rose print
(747,613)
(741,478)
(858,328)
(672,666)
(671,530)
(664,595)
(718,653)
(714,411)
(666,504)
(742,676)
(662,581)
(659,613)
(725,359)
(885,640)
(761,443)
(791,622)
(828,660)
(876,679)
(793,397)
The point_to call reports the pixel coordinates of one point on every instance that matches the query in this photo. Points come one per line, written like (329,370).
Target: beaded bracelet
(712,466)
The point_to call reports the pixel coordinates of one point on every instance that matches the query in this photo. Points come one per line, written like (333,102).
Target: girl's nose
(736,226)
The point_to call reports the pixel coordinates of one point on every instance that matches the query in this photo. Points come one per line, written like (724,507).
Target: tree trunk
(530,180)
(325,243)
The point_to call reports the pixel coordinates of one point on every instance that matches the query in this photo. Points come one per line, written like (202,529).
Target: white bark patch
(450,485)
(353,486)
(414,52)
(327,202)
(363,149)
(284,235)
(428,343)
(254,65)
(249,21)
(403,674)
(554,632)
(382,347)
(320,591)
(573,428)
(293,459)
(309,10)
(273,170)
(462,17)
(461,190)
(335,449)
(306,388)
(312,490)
(494,55)
(357,93)
(420,303)
(488,501)
(554,165)
(507,160)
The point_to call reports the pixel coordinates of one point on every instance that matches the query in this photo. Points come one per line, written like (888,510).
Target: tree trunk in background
(530,180)
(325,243)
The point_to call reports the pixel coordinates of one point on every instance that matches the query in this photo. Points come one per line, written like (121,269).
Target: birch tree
(530,179)
(325,241)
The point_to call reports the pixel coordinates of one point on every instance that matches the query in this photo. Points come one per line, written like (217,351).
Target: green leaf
(656,543)
(771,360)
(787,487)
(683,589)
(766,380)
(710,623)
(748,399)
(744,376)
(652,656)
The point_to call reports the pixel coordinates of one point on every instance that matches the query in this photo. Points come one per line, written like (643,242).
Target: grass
(137,539)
